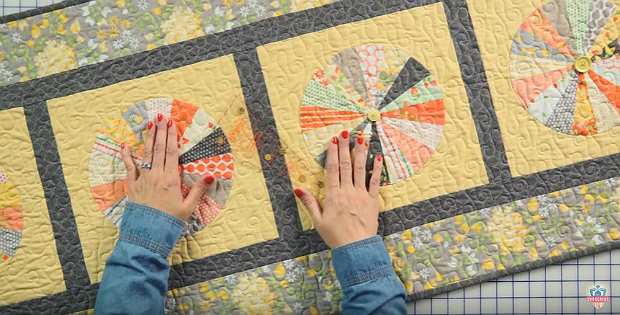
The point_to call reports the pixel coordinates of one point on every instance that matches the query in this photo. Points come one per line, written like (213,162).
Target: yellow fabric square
(421,33)
(35,270)
(530,146)
(213,86)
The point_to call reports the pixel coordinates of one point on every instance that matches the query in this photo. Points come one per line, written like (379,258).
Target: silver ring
(146,165)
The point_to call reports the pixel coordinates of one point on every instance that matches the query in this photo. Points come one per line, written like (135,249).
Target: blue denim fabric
(370,285)
(135,279)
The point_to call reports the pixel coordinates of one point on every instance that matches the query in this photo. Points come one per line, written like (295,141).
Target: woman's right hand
(160,186)
(351,211)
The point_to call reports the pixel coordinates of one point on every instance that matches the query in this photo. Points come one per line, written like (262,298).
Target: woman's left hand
(160,186)
(350,210)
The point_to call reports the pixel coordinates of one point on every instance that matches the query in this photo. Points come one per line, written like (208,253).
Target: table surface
(557,289)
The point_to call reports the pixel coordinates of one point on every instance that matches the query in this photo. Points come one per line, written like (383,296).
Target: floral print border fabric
(426,257)
(101,30)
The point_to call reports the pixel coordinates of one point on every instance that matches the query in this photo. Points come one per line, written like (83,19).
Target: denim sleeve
(135,278)
(369,283)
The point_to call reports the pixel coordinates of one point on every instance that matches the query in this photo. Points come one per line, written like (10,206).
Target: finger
(311,204)
(373,185)
(198,190)
(130,166)
(159,148)
(172,149)
(333,173)
(148,144)
(344,156)
(359,163)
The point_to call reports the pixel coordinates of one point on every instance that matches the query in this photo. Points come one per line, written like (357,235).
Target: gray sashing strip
(66,302)
(280,189)
(59,206)
(478,91)
(240,41)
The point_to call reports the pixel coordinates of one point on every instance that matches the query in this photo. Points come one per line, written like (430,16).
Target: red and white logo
(598,296)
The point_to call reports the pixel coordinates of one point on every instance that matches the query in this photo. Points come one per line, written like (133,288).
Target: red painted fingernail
(360,140)
(298,192)
(178,145)
(122,145)
(335,140)
(160,117)
(345,134)
(209,180)
(150,125)
(379,158)
(169,123)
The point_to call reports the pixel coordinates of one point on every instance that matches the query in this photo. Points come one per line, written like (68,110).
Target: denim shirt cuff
(150,228)
(361,261)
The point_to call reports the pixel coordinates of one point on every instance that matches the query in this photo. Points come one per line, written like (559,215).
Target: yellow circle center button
(583,64)
(374,115)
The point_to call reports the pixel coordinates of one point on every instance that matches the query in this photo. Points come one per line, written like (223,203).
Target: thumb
(130,166)
(310,202)
(197,191)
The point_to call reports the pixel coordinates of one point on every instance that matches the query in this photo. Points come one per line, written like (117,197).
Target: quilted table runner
(498,121)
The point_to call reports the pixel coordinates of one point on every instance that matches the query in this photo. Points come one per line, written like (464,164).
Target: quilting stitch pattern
(462,33)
